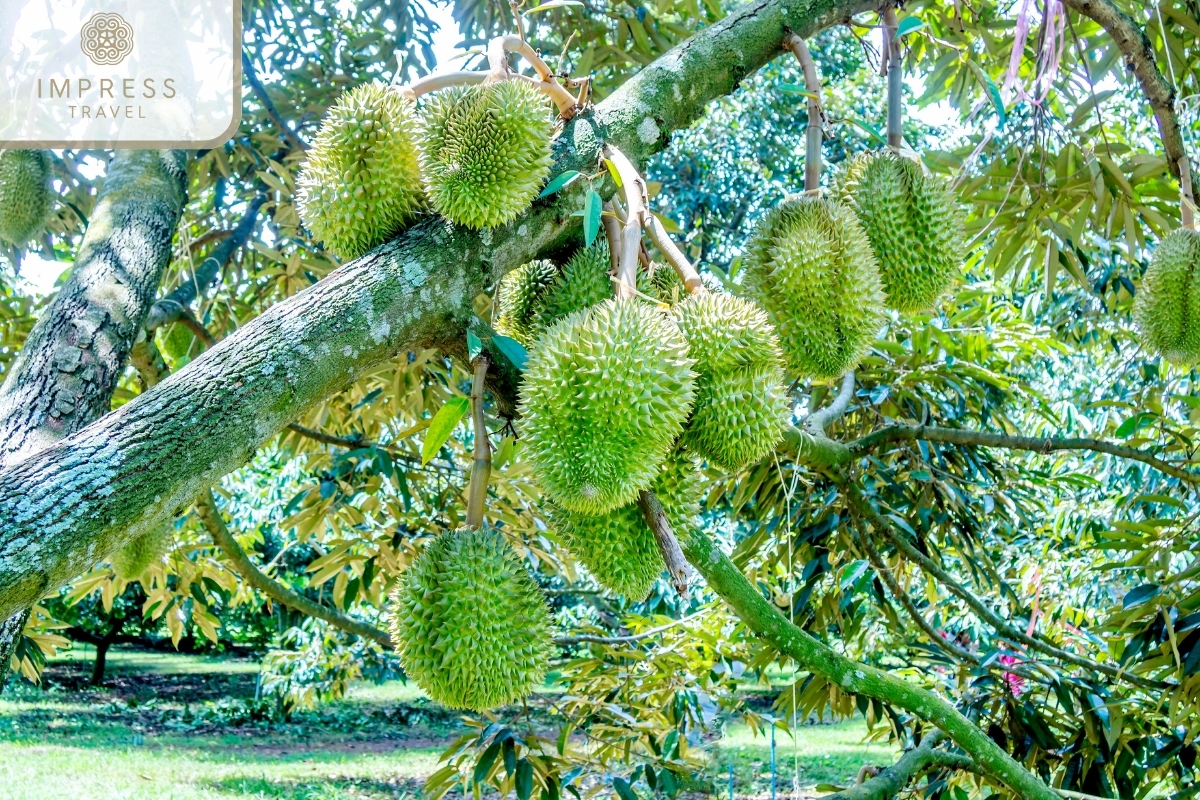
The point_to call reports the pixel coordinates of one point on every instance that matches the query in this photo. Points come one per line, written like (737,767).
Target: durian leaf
(907,26)
(442,425)
(484,765)
(870,129)
(614,173)
(992,91)
(524,782)
(592,208)
(560,182)
(512,350)
(624,790)
(474,346)
(552,4)
(791,88)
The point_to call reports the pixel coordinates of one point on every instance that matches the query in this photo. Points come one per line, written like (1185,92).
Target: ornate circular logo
(106,39)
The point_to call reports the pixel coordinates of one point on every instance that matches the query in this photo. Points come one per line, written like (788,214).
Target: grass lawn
(176,727)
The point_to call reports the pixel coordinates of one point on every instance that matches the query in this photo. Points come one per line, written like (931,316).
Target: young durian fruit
(132,560)
(912,222)
(606,393)
(810,266)
(362,184)
(26,197)
(1167,306)
(666,286)
(485,151)
(618,547)
(520,300)
(471,626)
(742,405)
(584,282)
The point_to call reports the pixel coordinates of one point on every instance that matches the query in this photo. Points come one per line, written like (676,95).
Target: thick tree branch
(854,677)
(891,781)
(668,545)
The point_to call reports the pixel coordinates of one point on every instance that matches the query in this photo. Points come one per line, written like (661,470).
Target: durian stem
(612,232)
(481,468)
(1187,198)
(435,83)
(668,545)
(498,50)
(816,422)
(812,82)
(675,257)
(633,189)
(895,81)
(566,104)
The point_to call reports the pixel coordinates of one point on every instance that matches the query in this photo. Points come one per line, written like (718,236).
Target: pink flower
(1015,683)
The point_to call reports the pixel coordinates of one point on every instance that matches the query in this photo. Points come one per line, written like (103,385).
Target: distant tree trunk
(102,651)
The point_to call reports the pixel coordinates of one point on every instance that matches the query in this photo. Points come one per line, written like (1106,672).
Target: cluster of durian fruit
(477,155)
(26,194)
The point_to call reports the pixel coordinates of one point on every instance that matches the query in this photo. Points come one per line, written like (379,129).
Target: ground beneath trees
(174,727)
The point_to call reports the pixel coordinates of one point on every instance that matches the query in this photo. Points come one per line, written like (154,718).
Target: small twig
(668,545)
(501,46)
(1187,198)
(589,639)
(260,92)
(481,467)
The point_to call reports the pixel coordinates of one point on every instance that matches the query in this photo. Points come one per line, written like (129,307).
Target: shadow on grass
(318,788)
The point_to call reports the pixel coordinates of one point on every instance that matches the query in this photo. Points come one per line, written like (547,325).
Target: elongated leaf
(992,92)
(552,5)
(512,350)
(442,425)
(592,208)
(524,781)
(560,182)
(907,26)
(1140,595)
(624,790)
(474,346)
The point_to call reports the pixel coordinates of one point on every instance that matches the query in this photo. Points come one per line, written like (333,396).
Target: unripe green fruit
(811,268)
(26,196)
(618,548)
(606,392)
(485,151)
(520,300)
(471,626)
(1167,306)
(913,224)
(666,285)
(132,560)
(584,283)
(361,184)
(742,405)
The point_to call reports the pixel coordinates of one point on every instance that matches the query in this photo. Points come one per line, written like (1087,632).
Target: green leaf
(484,765)
(512,350)
(992,91)
(791,88)
(592,208)
(524,782)
(908,25)
(442,425)
(551,5)
(1139,595)
(562,181)
(474,346)
(624,790)
(865,126)
(613,172)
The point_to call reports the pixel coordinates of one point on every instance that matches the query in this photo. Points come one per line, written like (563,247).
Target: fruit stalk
(675,257)
(633,189)
(668,545)
(1187,197)
(433,83)
(812,82)
(895,83)
(481,467)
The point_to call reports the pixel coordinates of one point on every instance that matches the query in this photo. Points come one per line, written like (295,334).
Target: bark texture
(73,504)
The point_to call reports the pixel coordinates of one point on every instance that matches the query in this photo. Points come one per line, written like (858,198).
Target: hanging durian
(912,222)
(742,404)
(133,559)
(361,183)
(1167,306)
(520,300)
(485,151)
(810,267)
(584,283)
(26,196)
(606,392)
(618,548)
(471,626)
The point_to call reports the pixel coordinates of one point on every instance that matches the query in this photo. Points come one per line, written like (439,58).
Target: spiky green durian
(134,558)
(26,197)
(1167,306)
(471,626)
(913,224)
(617,547)
(811,268)
(485,151)
(520,300)
(361,183)
(606,392)
(742,404)
(584,282)
(666,285)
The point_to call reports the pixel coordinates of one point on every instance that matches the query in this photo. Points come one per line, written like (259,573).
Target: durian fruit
(471,626)
(606,392)
(666,285)
(519,302)
(912,221)
(618,547)
(485,151)
(362,183)
(132,560)
(811,268)
(584,282)
(1167,306)
(742,404)
(26,196)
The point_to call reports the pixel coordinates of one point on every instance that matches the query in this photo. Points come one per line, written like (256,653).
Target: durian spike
(1187,198)
(812,82)
(633,189)
(668,545)
(895,82)
(481,468)
(433,83)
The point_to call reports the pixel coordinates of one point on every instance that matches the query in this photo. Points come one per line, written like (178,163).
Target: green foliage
(912,222)
(26,196)
(1167,309)
(605,395)
(810,266)
(471,626)
(361,183)
(132,560)
(485,151)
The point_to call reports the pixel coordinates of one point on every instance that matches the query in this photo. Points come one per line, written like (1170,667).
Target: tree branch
(891,781)
(668,545)
(260,92)
(481,466)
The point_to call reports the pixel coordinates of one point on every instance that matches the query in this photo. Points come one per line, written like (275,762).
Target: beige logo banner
(119,73)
